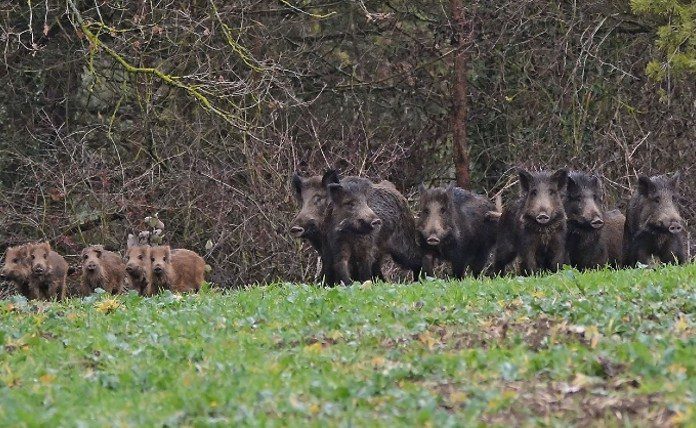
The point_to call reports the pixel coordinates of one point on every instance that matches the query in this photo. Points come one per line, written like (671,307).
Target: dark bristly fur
(454,226)
(397,235)
(594,237)
(654,226)
(533,228)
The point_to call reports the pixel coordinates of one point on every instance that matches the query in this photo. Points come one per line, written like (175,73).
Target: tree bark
(460,37)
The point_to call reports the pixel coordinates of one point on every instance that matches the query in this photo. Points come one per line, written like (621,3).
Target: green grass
(603,347)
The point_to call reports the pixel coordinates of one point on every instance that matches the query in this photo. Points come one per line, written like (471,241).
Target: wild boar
(654,226)
(534,228)
(455,225)
(48,272)
(17,269)
(177,270)
(102,269)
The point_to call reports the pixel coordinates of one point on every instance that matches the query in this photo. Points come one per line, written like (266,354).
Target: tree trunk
(460,38)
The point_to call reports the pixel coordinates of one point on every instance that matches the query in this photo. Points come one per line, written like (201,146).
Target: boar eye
(426,211)
(442,210)
(533,192)
(152,259)
(15,260)
(140,257)
(84,257)
(553,192)
(33,256)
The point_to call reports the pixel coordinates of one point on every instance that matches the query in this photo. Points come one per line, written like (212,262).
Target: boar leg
(478,262)
(428,264)
(342,266)
(504,254)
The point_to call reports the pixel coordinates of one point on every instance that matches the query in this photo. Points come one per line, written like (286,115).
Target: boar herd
(559,219)
(38,272)
(354,224)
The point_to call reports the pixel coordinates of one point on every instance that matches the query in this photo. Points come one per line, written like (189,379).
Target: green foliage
(567,348)
(676,38)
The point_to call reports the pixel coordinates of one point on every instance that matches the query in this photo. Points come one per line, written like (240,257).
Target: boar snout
(3,275)
(675,227)
(91,267)
(597,222)
(433,240)
(376,223)
(543,218)
(158,269)
(297,231)
(37,269)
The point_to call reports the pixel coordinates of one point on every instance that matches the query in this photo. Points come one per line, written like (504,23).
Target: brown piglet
(102,269)
(17,269)
(48,272)
(139,268)
(176,270)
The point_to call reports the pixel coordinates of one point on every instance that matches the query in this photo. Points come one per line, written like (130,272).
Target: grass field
(610,348)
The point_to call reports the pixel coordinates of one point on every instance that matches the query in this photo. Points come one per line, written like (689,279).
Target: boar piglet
(654,226)
(533,228)
(176,270)
(17,269)
(594,236)
(48,272)
(102,269)
(454,226)
(351,231)
(139,268)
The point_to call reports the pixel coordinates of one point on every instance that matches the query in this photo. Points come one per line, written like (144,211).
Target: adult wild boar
(533,228)
(454,225)
(398,236)
(350,247)
(594,236)
(654,226)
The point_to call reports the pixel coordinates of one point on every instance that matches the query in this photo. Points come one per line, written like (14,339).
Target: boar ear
(572,184)
(45,246)
(296,185)
(645,185)
(330,176)
(675,179)
(132,241)
(335,191)
(597,182)
(560,178)
(525,179)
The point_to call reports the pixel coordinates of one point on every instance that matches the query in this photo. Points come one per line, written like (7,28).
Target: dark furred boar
(352,227)
(534,227)
(398,236)
(102,269)
(594,237)
(454,226)
(139,268)
(653,224)
(17,269)
(176,270)
(48,272)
